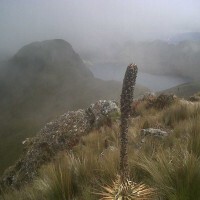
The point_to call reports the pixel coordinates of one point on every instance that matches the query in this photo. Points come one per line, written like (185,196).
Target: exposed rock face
(60,134)
(102,111)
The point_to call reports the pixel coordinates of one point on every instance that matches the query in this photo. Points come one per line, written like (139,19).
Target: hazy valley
(40,82)
(99,100)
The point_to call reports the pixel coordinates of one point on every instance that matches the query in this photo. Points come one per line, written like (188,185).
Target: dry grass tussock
(170,165)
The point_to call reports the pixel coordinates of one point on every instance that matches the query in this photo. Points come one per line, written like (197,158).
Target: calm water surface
(153,82)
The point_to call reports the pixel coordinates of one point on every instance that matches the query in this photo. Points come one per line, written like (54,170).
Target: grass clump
(59,181)
(193,129)
(179,112)
(175,173)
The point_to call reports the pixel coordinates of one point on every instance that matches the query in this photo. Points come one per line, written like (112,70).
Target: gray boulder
(154,132)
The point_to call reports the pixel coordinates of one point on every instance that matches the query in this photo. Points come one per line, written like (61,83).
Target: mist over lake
(153,82)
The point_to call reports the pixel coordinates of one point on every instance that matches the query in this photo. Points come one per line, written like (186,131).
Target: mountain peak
(48,46)
(50,54)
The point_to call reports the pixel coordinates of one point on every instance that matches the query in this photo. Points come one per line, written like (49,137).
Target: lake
(153,82)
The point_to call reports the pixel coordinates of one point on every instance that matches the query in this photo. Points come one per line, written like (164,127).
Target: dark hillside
(41,81)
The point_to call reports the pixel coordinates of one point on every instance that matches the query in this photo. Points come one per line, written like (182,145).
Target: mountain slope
(42,81)
(184,90)
(163,153)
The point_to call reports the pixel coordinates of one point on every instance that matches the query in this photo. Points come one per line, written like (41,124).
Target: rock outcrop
(58,135)
(153,133)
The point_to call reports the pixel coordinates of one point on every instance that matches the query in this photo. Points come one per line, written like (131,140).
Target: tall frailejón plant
(123,188)
(126,101)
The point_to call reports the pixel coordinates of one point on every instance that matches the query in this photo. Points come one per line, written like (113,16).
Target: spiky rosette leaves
(127,190)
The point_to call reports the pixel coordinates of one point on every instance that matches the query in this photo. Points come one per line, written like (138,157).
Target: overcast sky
(93,22)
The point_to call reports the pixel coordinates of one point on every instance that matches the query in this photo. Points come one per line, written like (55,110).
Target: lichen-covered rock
(102,111)
(60,134)
(154,132)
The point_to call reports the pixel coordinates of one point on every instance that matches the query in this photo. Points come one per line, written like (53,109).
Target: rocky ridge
(60,134)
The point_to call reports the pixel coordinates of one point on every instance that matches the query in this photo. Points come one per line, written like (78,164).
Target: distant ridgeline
(156,57)
(42,81)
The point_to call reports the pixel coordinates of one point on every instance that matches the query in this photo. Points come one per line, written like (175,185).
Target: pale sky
(88,23)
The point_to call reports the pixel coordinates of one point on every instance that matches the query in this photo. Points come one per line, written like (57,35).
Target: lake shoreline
(154,82)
